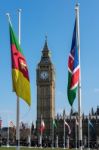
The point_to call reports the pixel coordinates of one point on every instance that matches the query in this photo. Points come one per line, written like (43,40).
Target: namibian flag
(73,69)
(20,76)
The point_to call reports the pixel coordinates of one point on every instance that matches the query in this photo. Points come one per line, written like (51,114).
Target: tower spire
(45,45)
(46,37)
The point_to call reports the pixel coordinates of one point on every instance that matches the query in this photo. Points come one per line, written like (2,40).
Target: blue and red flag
(73,69)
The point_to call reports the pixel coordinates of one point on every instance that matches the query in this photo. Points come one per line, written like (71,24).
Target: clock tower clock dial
(44,75)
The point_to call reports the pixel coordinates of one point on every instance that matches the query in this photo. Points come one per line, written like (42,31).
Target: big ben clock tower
(45,91)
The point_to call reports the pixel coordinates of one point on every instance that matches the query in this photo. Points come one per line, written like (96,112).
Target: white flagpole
(18,102)
(1,134)
(9,20)
(18,106)
(30,135)
(17,125)
(68,142)
(88,135)
(41,132)
(57,141)
(52,135)
(8,136)
(7,132)
(64,132)
(79,85)
(19,22)
(75,134)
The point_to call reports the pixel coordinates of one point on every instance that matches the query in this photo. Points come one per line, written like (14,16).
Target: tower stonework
(45,79)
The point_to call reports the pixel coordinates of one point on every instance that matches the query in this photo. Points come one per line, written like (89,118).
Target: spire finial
(45,46)
(46,37)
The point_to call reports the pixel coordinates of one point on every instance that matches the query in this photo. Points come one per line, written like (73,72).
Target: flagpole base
(17,145)
(17,142)
(7,145)
(80,145)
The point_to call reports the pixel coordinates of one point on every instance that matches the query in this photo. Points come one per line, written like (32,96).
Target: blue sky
(56,18)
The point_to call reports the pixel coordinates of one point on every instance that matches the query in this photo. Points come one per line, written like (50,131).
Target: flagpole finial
(19,10)
(8,16)
(77,6)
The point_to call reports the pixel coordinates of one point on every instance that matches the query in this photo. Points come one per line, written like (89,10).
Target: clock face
(44,75)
